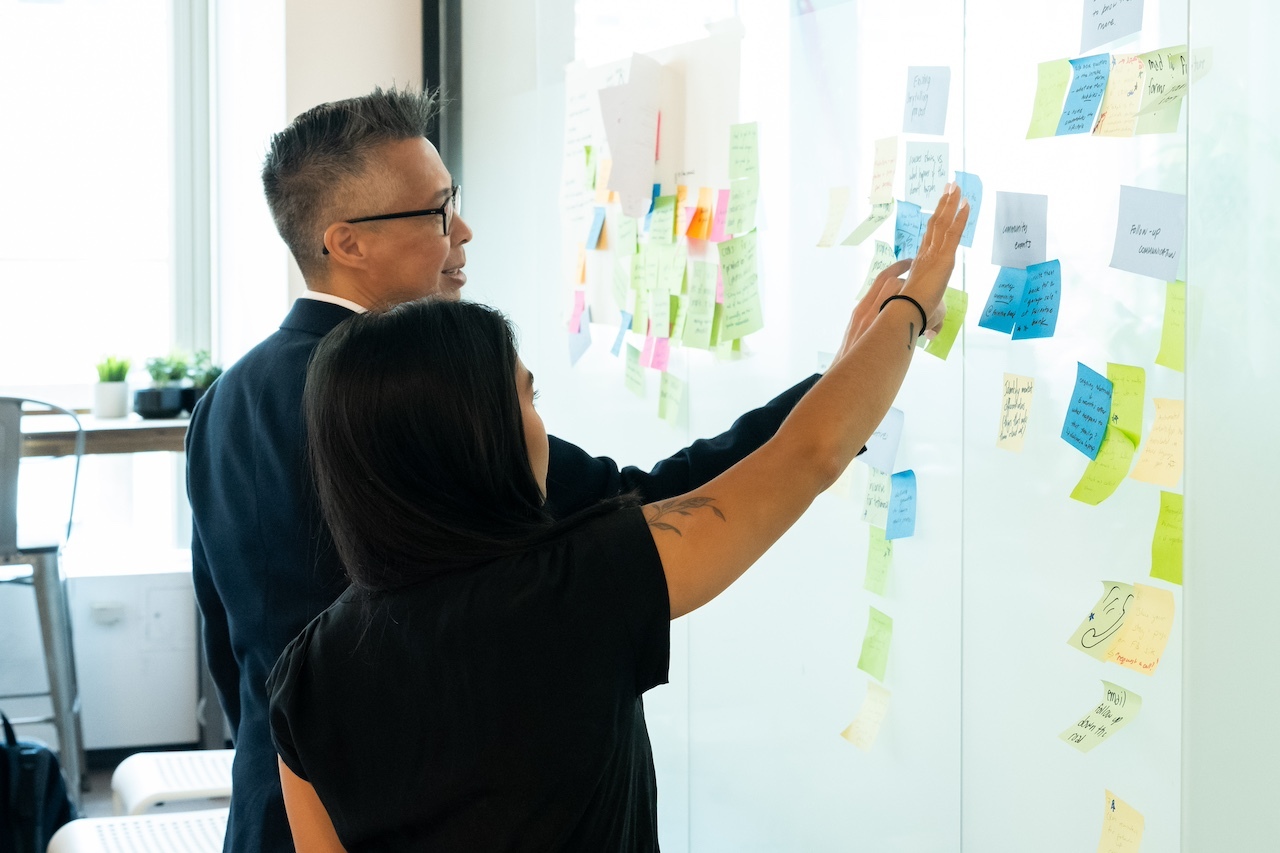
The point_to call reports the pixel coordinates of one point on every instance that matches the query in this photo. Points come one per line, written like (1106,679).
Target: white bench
(164,832)
(147,778)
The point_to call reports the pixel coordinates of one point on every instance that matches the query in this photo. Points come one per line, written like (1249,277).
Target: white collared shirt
(335,300)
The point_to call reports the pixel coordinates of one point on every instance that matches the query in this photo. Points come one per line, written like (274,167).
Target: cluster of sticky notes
(1113,95)
(1104,473)
(1088,412)
(1117,709)
(1024,303)
(1130,625)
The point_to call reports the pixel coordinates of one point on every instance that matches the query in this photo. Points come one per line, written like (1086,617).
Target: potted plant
(164,398)
(203,372)
(111,394)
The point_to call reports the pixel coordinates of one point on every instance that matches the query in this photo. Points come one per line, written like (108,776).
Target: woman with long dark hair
(479,685)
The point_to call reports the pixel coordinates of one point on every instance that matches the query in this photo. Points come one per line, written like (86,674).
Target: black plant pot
(159,402)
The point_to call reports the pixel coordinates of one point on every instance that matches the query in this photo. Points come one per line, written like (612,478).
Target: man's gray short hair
(314,164)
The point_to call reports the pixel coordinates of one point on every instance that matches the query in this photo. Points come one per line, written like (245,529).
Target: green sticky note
(717,324)
(625,231)
(634,373)
(670,398)
(590,174)
(744,193)
(1103,475)
(679,318)
(957,302)
(699,307)
(879,556)
(880,214)
(662,225)
(875,645)
(744,151)
(644,276)
(1052,80)
(1166,545)
(1173,340)
(660,311)
(1128,387)
(742,312)
(672,261)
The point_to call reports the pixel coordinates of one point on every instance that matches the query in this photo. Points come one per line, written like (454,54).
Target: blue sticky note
(1038,311)
(1005,300)
(971,189)
(907,231)
(580,341)
(597,225)
(1088,412)
(657,191)
(902,506)
(1088,84)
(624,324)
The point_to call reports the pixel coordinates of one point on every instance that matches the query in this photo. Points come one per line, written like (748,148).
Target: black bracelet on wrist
(924,318)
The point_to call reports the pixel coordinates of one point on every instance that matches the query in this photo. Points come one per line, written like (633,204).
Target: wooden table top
(51,435)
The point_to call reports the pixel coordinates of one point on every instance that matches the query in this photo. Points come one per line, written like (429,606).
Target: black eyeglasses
(446,214)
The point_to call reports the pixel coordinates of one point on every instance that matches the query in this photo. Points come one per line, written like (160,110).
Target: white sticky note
(837,204)
(1021,230)
(1108,20)
(882,446)
(630,116)
(1149,232)
(927,172)
(875,508)
(926,108)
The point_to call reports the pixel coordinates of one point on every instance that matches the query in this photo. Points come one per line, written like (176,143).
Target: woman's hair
(417,443)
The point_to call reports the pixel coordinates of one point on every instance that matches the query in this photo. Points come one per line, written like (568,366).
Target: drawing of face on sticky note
(1021,230)
(1098,632)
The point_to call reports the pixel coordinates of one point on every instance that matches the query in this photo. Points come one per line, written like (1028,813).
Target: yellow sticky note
(1161,459)
(1128,390)
(1100,629)
(883,170)
(1015,409)
(879,557)
(1122,826)
(879,214)
(634,372)
(1146,629)
(843,486)
(1102,476)
(603,168)
(875,645)
(1166,544)
(1052,79)
(837,204)
(875,507)
(957,302)
(670,398)
(580,270)
(865,727)
(1164,79)
(1173,339)
(881,261)
(1118,115)
(1116,710)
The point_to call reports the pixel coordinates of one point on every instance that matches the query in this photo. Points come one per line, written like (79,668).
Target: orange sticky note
(700,225)
(581,276)
(603,168)
(1141,640)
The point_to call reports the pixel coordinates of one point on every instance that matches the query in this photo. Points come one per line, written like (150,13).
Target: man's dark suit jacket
(264,565)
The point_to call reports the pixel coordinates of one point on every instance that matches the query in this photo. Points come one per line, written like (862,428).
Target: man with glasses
(372,217)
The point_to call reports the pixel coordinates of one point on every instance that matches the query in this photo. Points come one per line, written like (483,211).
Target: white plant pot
(111,399)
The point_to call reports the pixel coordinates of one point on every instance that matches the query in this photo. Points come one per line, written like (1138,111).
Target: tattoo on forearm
(661,515)
(911,335)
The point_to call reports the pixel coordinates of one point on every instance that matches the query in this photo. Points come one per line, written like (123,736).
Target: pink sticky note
(686,217)
(722,213)
(720,286)
(661,354)
(579,305)
(646,355)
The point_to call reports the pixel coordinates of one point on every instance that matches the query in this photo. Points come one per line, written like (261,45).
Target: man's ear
(344,245)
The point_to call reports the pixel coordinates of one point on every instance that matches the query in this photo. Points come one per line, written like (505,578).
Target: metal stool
(189,832)
(51,597)
(145,779)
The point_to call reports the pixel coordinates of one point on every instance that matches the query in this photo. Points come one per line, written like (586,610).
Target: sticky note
(1118,115)
(883,169)
(1118,708)
(1173,335)
(1122,826)
(623,325)
(882,446)
(1129,385)
(907,231)
(864,729)
(1021,230)
(660,310)
(875,645)
(902,506)
(1161,459)
(742,311)
(661,355)
(1149,232)
(1103,475)
(880,261)
(718,234)
(646,354)
(1165,80)
(662,227)
(634,375)
(879,557)
(926,109)
(670,398)
(880,213)
(744,151)
(1166,543)
(589,158)
(1004,301)
(1141,640)
(1052,80)
(957,302)
(579,308)
(971,190)
(837,204)
(1164,121)
(1100,629)
(700,223)
(600,182)
(875,506)
(927,168)
(1108,20)
(580,341)
(1088,412)
(629,113)
(1041,297)
(1015,411)
(743,196)
(1088,84)
(700,306)
(597,224)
